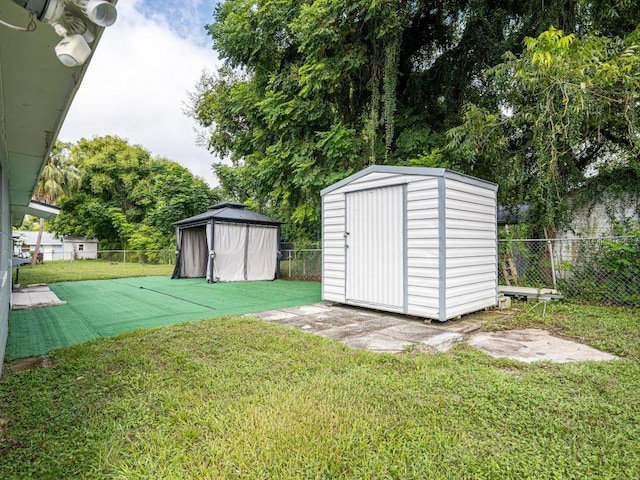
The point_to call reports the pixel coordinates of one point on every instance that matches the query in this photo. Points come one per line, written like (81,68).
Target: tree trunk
(34,258)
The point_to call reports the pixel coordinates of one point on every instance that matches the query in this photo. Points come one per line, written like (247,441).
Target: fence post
(553,264)
(124,257)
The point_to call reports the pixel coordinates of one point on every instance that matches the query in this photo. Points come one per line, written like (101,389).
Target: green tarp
(105,308)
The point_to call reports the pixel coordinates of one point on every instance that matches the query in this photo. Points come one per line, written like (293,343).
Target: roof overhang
(35,209)
(36,91)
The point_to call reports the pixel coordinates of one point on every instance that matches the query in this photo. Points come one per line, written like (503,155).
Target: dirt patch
(31,363)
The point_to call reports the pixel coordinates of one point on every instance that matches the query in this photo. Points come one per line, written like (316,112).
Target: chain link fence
(305,264)
(596,270)
(602,270)
(147,257)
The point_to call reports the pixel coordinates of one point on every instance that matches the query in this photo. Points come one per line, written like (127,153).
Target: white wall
(71,249)
(471,248)
(423,248)
(333,254)
(5,259)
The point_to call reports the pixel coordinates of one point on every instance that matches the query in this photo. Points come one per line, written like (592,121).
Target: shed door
(375,246)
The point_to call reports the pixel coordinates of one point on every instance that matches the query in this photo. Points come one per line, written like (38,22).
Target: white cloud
(137,85)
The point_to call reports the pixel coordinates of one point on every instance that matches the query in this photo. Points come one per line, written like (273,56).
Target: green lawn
(67,271)
(240,398)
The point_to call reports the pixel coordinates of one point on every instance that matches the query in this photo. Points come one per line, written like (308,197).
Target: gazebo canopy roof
(228,212)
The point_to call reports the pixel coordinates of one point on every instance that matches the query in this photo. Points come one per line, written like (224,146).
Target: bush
(608,272)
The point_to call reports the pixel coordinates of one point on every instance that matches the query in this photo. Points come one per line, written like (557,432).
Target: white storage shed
(418,241)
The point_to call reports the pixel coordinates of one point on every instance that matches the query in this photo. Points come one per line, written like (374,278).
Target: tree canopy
(128,199)
(314,91)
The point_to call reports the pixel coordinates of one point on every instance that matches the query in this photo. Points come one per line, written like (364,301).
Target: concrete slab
(313,309)
(359,328)
(534,345)
(384,332)
(440,343)
(34,297)
(378,342)
(354,329)
(273,315)
(412,331)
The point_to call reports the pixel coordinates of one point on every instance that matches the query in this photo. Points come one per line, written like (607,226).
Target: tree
(57,178)
(128,199)
(566,115)
(314,91)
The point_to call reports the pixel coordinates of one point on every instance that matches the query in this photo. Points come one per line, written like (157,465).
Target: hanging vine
(390,82)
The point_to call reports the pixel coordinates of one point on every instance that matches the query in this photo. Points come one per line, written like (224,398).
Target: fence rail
(600,270)
(149,257)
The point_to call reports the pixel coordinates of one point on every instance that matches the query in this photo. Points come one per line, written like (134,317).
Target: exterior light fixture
(72,50)
(75,21)
(99,12)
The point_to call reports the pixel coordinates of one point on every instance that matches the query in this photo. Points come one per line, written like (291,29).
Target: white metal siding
(5,261)
(471,250)
(423,247)
(333,259)
(375,251)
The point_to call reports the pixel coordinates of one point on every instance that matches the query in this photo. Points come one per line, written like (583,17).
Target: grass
(240,398)
(67,271)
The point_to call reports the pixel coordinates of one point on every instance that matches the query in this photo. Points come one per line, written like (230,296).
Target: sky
(138,82)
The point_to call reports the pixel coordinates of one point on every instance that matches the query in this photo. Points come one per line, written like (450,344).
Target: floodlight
(99,12)
(65,17)
(73,50)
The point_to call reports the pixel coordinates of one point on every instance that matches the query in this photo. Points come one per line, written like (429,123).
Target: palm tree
(57,178)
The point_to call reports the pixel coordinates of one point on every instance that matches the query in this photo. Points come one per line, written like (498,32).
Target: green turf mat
(104,308)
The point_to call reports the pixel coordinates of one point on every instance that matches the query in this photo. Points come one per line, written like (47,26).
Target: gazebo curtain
(193,253)
(229,247)
(227,252)
(262,252)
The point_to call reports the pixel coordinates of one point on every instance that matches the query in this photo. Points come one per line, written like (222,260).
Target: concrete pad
(272,315)
(410,331)
(440,343)
(354,329)
(307,310)
(314,324)
(534,345)
(378,343)
(34,297)
(384,332)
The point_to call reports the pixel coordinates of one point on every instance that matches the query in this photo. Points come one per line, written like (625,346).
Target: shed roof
(422,171)
(229,212)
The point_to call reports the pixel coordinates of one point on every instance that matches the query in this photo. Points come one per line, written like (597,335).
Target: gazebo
(228,243)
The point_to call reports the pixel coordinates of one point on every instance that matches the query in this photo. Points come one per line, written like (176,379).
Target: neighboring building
(54,248)
(594,220)
(36,91)
(25,245)
(78,248)
(599,218)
